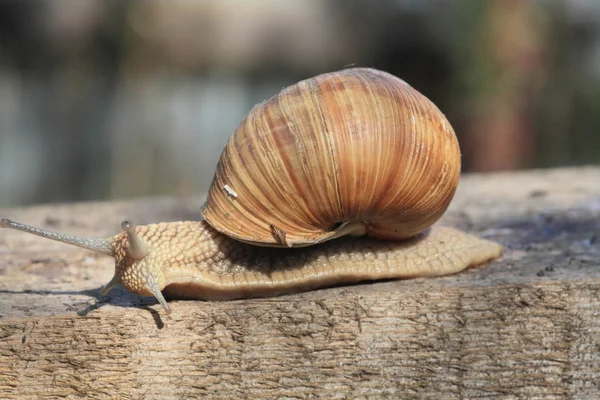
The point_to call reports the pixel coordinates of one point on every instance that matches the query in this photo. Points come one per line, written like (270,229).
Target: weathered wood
(527,325)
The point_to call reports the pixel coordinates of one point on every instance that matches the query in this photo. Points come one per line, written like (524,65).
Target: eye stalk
(103,246)
(137,248)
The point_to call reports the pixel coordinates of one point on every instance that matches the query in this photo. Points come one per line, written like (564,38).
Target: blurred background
(108,99)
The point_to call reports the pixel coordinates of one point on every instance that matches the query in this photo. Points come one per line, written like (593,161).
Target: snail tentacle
(97,245)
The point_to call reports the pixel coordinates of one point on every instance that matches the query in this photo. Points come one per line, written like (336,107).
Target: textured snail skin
(190,260)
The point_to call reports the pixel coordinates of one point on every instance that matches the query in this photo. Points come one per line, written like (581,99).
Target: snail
(336,179)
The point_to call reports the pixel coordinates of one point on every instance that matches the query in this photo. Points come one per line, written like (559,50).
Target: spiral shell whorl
(354,145)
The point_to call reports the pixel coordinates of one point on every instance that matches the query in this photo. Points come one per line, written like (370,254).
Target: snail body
(356,152)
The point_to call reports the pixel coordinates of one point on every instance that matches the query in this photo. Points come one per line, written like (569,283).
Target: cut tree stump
(524,326)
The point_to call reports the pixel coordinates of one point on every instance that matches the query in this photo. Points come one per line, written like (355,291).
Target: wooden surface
(526,326)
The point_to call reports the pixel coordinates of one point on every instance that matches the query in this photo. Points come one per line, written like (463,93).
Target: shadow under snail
(351,153)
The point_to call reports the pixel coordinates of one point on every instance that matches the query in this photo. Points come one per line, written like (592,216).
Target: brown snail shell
(357,151)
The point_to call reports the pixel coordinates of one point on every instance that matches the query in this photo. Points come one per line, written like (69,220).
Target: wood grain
(526,326)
